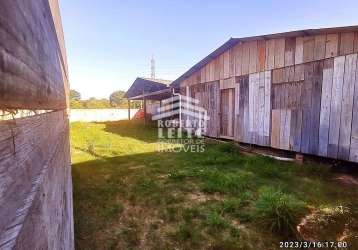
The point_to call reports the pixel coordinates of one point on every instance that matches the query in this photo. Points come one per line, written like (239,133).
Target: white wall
(100,115)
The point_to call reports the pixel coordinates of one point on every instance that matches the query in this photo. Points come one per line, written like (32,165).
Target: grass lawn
(129,196)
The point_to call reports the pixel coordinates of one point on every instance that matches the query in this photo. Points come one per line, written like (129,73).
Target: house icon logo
(184,114)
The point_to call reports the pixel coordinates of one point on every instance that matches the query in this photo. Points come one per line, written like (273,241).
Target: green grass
(129,196)
(278,211)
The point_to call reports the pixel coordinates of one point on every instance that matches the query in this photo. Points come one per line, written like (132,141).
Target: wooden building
(35,168)
(148,89)
(294,91)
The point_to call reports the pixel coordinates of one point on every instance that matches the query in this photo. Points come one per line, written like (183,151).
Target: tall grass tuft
(278,211)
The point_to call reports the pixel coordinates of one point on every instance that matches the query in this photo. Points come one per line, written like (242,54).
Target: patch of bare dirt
(140,227)
(334,223)
(200,197)
(137,167)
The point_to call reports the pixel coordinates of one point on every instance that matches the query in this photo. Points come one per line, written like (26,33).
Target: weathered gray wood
(254,81)
(232,64)
(353,154)
(346,44)
(336,106)
(347,106)
(238,59)
(293,93)
(226,65)
(278,76)
(228,83)
(261,109)
(35,172)
(279,52)
(261,57)
(355,49)
(253,57)
(296,126)
(285,126)
(308,48)
(239,122)
(275,128)
(299,73)
(320,47)
(245,63)
(306,100)
(270,54)
(325,106)
(31,74)
(237,136)
(299,50)
(332,45)
(267,109)
(245,95)
(33,152)
(316,106)
(290,49)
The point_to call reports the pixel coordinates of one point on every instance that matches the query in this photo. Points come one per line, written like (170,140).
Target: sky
(110,42)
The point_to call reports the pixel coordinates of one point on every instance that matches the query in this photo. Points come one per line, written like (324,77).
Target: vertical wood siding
(294,93)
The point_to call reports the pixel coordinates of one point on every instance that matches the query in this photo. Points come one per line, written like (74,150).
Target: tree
(75,95)
(94,103)
(74,104)
(117,99)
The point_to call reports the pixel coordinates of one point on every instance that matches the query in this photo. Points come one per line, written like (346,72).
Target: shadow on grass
(104,188)
(134,129)
(115,195)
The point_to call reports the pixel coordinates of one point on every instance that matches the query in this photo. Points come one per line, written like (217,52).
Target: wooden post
(129,110)
(145,110)
(299,158)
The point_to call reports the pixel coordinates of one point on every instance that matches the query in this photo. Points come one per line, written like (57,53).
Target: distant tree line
(116,100)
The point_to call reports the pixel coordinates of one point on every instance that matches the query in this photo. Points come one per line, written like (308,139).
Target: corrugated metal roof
(233,41)
(146,85)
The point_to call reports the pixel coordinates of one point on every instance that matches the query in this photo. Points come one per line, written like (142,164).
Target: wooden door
(227,112)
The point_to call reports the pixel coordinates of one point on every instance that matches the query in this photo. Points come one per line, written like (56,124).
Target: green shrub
(278,211)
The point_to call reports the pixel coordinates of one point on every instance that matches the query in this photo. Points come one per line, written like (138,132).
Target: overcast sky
(110,42)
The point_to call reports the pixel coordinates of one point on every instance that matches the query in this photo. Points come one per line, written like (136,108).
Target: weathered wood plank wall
(35,171)
(28,56)
(295,93)
(36,189)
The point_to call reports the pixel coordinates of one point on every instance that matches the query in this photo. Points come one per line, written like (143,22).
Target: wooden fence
(35,170)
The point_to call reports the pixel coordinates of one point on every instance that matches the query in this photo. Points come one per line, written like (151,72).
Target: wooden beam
(156,93)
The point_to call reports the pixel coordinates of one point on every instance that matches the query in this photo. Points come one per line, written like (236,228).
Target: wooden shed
(295,91)
(148,89)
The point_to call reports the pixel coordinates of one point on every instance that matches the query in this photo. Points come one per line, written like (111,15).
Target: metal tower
(152,67)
